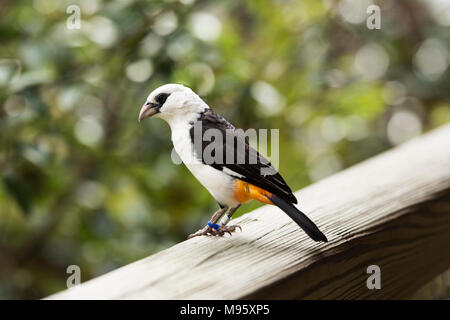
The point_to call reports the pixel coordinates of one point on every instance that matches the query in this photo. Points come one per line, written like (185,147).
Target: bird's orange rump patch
(245,192)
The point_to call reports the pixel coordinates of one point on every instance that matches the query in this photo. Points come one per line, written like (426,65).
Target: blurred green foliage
(82,182)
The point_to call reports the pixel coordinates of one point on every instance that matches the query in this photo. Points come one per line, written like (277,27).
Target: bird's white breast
(218,183)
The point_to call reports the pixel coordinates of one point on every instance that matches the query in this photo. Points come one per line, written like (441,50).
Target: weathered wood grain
(392,210)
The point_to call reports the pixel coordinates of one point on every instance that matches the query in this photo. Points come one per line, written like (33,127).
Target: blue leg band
(214,226)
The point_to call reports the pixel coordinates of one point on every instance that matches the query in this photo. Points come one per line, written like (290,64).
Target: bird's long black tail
(300,218)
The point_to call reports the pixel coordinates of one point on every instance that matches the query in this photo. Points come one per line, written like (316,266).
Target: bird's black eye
(161,98)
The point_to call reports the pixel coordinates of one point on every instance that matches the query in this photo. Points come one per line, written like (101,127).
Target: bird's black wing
(233,155)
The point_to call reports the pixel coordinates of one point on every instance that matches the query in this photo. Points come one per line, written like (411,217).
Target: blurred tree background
(82,182)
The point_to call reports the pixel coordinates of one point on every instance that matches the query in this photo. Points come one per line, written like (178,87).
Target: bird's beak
(148,110)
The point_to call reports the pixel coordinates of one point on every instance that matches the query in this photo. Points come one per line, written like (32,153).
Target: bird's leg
(223,223)
(208,230)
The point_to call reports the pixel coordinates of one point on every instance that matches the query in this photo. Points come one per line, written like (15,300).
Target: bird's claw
(227,229)
(208,231)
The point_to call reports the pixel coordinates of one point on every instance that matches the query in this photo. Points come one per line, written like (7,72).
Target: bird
(245,175)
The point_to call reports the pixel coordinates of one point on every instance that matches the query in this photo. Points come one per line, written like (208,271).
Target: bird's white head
(172,102)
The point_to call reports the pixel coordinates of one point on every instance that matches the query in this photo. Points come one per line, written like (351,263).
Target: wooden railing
(392,211)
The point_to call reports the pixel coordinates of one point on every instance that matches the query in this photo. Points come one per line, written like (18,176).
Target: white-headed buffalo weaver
(233,182)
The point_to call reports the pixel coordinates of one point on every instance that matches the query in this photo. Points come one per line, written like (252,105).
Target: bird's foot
(220,231)
(226,229)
